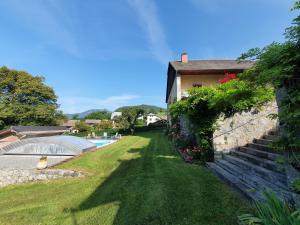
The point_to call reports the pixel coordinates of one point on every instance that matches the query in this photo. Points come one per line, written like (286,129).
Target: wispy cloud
(80,104)
(44,17)
(149,20)
(213,6)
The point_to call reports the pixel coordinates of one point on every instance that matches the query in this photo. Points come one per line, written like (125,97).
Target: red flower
(228,77)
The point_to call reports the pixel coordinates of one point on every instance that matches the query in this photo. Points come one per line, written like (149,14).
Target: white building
(152,118)
(114,115)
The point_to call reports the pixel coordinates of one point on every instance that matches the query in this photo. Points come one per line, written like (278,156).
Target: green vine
(205,105)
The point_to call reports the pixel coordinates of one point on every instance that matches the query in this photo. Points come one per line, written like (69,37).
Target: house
(70,124)
(185,74)
(115,115)
(91,122)
(152,118)
(15,133)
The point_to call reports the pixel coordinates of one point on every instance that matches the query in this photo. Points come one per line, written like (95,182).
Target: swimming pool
(101,143)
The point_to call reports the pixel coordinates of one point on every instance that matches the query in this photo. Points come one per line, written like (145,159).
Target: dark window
(197,85)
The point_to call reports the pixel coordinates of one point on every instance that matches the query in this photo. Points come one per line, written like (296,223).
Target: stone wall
(186,127)
(15,176)
(242,128)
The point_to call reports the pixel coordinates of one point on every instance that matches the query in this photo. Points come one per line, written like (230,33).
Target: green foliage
(75,117)
(104,125)
(146,108)
(99,115)
(278,64)
(82,126)
(140,122)
(205,104)
(296,185)
(272,212)
(26,100)
(129,117)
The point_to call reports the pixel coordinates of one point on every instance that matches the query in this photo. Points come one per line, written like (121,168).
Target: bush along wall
(205,105)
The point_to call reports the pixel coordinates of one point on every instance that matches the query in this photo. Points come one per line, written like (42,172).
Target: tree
(129,117)
(75,117)
(26,100)
(278,64)
(99,115)
(104,125)
(82,126)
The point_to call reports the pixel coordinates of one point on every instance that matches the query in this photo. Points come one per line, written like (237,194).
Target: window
(197,85)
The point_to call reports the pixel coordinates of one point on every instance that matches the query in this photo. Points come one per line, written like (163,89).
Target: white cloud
(149,21)
(81,104)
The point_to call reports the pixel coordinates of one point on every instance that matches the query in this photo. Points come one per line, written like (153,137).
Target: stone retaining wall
(15,176)
(242,128)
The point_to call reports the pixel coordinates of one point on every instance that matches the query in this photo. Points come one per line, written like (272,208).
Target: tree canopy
(146,108)
(99,115)
(129,117)
(278,64)
(26,100)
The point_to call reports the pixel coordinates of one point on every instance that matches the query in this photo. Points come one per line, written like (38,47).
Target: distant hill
(146,108)
(85,113)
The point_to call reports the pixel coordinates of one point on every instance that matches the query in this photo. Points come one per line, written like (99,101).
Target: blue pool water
(100,143)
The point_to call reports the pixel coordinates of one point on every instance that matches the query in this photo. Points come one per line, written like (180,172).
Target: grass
(140,180)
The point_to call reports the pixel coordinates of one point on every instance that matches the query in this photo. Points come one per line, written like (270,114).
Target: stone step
(266,174)
(252,178)
(268,164)
(261,147)
(235,182)
(262,141)
(259,153)
(259,184)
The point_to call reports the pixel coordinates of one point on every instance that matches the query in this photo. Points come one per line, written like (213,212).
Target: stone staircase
(253,169)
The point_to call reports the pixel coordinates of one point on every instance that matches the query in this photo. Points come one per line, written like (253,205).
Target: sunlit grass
(139,180)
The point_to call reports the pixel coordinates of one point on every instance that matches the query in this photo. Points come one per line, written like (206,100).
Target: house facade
(152,118)
(185,74)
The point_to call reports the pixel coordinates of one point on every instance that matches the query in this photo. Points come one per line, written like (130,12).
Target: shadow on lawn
(128,184)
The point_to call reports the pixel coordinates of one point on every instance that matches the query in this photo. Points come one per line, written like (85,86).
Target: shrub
(104,124)
(278,64)
(271,212)
(82,126)
(296,185)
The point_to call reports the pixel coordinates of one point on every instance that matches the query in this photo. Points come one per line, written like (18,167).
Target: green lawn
(139,180)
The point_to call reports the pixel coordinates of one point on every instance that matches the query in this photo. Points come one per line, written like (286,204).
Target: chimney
(184,58)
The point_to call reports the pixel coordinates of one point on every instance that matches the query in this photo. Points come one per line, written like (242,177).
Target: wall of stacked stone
(15,176)
(243,128)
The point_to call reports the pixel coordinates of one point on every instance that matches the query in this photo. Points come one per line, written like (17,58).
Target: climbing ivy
(205,104)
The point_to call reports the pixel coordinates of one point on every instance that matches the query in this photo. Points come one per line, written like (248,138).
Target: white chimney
(184,58)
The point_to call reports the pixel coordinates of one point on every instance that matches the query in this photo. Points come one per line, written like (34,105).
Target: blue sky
(105,54)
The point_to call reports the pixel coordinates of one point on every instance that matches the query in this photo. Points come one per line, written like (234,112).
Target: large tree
(129,117)
(26,100)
